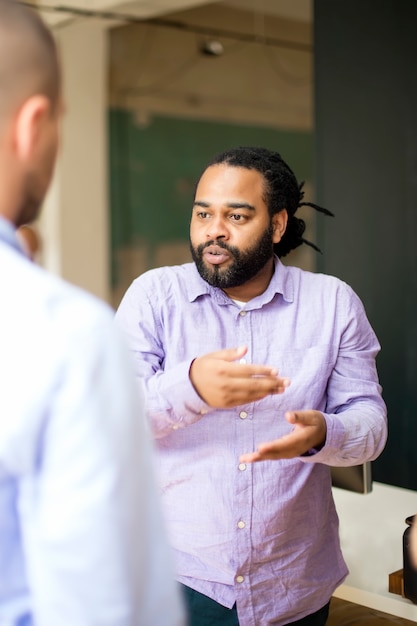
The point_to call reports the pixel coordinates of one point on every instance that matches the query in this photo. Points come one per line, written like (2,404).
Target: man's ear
(29,124)
(279,225)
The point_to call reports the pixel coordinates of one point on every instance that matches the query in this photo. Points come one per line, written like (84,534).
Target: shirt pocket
(309,371)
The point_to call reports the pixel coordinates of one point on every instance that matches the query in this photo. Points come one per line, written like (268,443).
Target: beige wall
(74,223)
(159,69)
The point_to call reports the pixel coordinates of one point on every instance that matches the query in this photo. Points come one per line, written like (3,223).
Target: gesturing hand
(223,383)
(309,432)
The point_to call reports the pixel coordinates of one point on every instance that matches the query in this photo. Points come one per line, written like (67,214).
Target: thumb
(231,354)
(296,417)
(304,418)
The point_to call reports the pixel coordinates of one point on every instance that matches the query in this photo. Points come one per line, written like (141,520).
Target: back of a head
(28,58)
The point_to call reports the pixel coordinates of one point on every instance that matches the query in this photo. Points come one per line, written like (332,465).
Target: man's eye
(202,214)
(237,217)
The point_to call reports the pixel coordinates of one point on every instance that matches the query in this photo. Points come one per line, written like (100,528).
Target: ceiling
(292,9)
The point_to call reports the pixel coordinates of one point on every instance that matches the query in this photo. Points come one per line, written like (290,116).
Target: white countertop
(371,529)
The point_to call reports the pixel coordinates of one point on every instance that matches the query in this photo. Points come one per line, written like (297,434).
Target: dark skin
(229,206)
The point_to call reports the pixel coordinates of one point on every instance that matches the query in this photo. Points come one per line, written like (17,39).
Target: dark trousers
(203,611)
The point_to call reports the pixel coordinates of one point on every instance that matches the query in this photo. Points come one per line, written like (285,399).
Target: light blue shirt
(8,235)
(82,542)
(264,535)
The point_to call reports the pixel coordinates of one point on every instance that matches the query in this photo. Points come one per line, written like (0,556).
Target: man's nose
(217,228)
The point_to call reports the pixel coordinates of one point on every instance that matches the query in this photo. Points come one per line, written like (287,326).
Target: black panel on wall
(366,172)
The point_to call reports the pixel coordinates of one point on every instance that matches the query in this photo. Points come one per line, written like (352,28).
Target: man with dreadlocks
(235,350)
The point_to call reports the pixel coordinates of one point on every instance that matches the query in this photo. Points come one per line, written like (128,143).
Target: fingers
(229,354)
(303,417)
(223,383)
(251,457)
(309,432)
(287,447)
(240,370)
(273,451)
(226,391)
(249,389)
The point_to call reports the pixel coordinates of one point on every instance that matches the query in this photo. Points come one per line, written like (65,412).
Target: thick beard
(246,264)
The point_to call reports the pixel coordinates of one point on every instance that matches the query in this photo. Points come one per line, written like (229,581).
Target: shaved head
(28,58)
(30,111)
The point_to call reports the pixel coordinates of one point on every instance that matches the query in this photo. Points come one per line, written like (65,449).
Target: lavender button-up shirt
(265,535)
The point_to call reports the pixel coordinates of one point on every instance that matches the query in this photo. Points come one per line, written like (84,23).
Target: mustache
(213,242)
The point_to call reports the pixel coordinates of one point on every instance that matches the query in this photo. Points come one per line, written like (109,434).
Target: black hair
(282,191)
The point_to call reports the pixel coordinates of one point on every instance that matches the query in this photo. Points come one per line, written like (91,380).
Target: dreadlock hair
(281,190)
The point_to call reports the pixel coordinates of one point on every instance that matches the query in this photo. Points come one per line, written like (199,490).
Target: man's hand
(223,383)
(309,432)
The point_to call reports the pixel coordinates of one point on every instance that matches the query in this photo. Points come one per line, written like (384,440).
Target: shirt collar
(280,283)
(8,235)
(196,286)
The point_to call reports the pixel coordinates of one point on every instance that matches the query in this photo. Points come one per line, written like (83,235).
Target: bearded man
(258,377)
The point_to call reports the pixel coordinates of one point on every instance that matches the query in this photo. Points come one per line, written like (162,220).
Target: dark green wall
(154,168)
(366,156)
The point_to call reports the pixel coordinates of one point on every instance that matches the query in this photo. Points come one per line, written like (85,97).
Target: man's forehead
(230,186)
(223,176)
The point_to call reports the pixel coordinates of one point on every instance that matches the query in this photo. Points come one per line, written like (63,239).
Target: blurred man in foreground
(81,537)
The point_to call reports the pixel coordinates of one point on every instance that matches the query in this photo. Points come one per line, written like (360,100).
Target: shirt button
(242,467)
(241,524)
(240,579)
(175,427)
(243,415)
(242,313)
(203,411)
(242,361)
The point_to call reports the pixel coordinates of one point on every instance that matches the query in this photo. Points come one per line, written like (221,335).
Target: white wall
(74,224)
